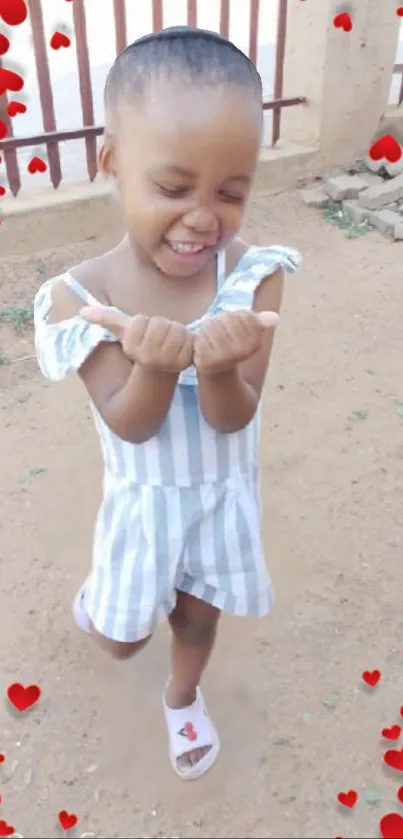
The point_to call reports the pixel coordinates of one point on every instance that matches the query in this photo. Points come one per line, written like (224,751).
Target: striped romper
(182,510)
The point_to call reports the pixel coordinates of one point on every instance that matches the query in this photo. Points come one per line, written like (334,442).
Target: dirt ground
(296,723)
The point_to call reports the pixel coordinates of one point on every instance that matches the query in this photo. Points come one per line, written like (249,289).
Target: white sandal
(80,615)
(188,729)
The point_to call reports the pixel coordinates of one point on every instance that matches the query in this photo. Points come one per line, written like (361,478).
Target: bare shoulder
(236,250)
(269,294)
(92,276)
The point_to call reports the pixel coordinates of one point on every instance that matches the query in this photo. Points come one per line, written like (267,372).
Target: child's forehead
(171,111)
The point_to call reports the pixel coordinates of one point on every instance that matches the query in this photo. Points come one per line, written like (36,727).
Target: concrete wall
(345,76)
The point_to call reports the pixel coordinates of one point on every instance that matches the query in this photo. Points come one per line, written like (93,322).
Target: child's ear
(106,161)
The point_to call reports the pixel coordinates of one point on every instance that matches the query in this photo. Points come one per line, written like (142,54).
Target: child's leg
(194,626)
(121,650)
(118,649)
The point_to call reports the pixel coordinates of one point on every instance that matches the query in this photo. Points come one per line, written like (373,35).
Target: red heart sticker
(392,733)
(399,11)
(386,147)
(348,799)
(22,698)
(13,12)
(67,820)
(190,731)
(371,677)
(2,190)
(10,81)
(14,108)
(3,130)
(36,165)
(2,758)
(4,44)
(394,758)
(343,21)
(400,795)
(6,829)
(391,826)
(59,39)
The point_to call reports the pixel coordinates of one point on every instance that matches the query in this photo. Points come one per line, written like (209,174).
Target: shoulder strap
(221,269)
(80,290)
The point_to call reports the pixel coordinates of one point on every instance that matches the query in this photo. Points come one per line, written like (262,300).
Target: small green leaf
(330,703)
(36,470)
(373,795)
(359,415)
(399,409)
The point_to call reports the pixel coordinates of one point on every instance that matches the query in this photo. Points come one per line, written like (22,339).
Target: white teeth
(181,247)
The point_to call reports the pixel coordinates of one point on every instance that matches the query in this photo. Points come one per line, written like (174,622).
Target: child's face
(184,161)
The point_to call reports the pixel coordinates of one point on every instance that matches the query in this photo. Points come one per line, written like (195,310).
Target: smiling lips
(186,247)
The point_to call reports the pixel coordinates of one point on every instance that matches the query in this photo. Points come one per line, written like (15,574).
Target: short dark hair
(183,52)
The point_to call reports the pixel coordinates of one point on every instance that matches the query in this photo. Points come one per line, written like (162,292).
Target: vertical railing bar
(192,12)
(254,30)
(158,15)
(10,155)
(84,75)
(224,18)
(120,25)
(279,71)
(45,87)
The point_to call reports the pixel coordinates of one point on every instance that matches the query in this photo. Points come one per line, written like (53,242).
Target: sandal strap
(189,728)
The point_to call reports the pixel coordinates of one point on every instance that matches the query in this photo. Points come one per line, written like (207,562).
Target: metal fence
(89,131)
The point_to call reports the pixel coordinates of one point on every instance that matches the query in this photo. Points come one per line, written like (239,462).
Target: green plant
(18,316)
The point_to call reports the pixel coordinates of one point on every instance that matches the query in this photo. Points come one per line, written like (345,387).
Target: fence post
(345,75)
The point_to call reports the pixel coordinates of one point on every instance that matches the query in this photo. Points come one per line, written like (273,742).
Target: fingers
(269,319)
(178,346)
(230,338)
(107,317)
(164,345)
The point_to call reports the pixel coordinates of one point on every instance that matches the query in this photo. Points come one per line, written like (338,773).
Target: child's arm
(229,397)
(132,398)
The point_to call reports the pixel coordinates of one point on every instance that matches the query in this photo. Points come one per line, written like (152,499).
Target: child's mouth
(187,250)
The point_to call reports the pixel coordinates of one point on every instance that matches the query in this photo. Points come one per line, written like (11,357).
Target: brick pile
(366,197)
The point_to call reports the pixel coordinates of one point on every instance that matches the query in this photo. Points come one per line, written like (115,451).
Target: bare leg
(194,626)
(121,650)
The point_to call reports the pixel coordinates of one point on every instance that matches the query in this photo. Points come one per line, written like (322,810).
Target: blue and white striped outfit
(182,510)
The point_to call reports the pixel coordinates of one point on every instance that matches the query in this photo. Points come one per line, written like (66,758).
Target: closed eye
(231,198)
(173,191)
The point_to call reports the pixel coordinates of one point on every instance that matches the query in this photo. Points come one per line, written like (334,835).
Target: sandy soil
(297,724)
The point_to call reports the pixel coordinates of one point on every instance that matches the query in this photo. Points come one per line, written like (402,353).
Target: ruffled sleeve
(239,288)
(62,348)
(257,263)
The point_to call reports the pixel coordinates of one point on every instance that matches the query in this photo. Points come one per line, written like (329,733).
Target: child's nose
(202,220)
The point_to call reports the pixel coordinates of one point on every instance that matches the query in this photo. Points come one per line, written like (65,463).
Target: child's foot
(80,615)
(189,720)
